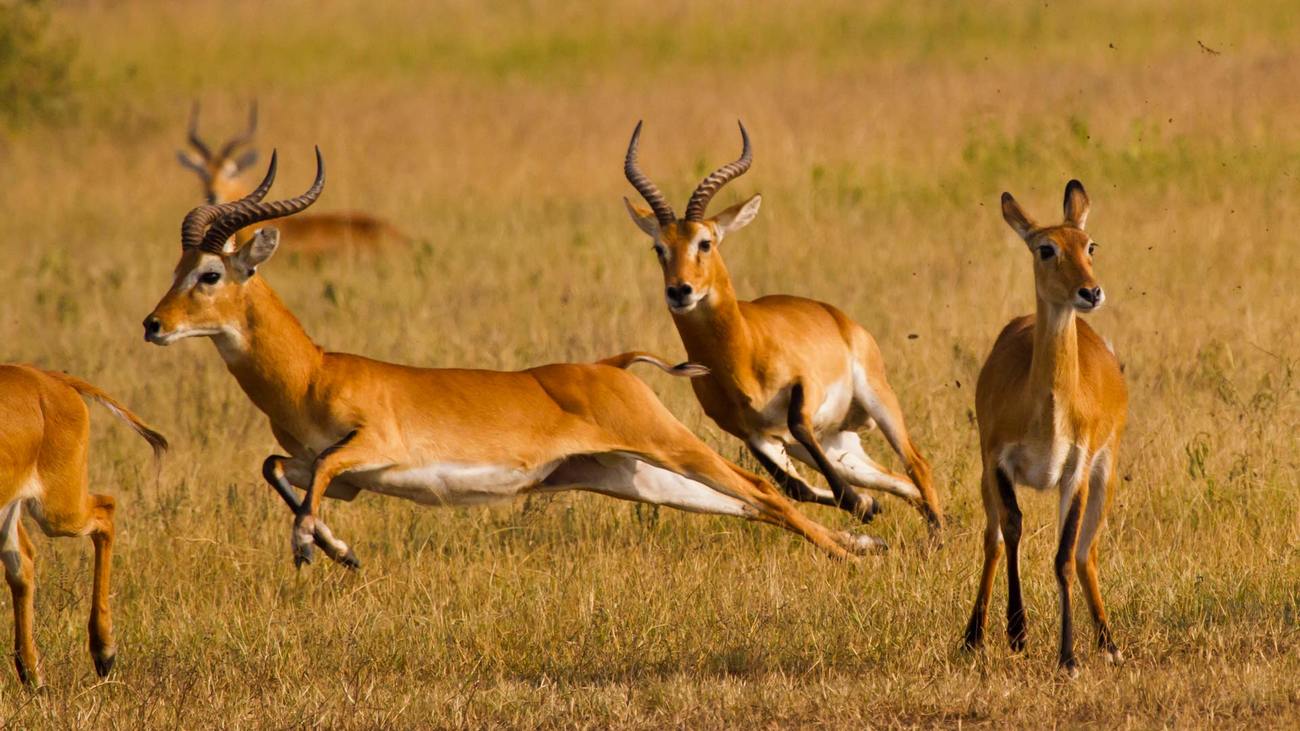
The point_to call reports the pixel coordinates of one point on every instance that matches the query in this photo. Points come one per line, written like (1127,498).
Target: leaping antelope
(1051,404)
(788,375)
(46,431)
(314,234)
(437,436)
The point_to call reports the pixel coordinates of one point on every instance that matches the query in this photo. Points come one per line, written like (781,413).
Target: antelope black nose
(678,293)
(1091,296)
(152,326)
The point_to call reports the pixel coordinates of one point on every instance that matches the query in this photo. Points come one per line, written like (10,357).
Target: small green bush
(35,63)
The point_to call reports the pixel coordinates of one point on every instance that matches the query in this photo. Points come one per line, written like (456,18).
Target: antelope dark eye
(659,251)
(1046,252)
(705,245)
(1091,248)
(210,277)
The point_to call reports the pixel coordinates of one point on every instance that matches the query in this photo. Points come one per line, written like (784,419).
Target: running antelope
(788,375)
(314,234)
(437,436)
(1051,404)
(43,467)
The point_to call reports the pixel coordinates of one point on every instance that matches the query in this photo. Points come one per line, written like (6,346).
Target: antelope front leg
(349,453)
(276,471)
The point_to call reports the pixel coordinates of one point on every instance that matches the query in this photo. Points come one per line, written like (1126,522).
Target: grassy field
(884,133)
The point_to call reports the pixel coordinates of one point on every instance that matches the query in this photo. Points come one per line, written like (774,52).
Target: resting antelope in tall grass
(437,436)
(314,234)
(46,431)
(788,375)
(1051,404)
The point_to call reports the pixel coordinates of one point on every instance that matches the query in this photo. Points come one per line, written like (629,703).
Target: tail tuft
(685,369)
(156,441)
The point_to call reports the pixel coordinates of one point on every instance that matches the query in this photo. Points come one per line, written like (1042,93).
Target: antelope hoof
(302,555)
(868,508)
(861,544)
(1069,667)
(1114,656)
(104,662)
(350,562)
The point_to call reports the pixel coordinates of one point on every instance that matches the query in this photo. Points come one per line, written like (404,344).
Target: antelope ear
(1016,217)
(257,251)
(1076,204)
(644,218)
(739,215)
(190,162)
(246,160)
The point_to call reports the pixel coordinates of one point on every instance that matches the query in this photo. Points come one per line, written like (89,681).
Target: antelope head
(1062,253)
(209,292)
(220,172)
(687,247)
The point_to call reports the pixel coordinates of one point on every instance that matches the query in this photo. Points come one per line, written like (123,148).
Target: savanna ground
(884,134)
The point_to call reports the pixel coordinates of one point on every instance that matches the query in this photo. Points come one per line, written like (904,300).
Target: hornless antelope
(314,234)
(788,375)
(1051,404)
(437,436)
(43,467)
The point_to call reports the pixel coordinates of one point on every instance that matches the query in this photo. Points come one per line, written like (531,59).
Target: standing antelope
(437,436)
(43,467)
(786,373)
(314,234)
(1051,404)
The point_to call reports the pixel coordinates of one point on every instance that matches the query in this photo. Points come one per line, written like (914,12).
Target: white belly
(452,483)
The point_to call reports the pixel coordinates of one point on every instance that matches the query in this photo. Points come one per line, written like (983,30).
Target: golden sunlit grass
(883,137)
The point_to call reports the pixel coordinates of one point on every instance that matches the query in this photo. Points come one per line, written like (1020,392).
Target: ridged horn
(195,225)
(248,211)
(713,183)
(244,137)
(193,132)
(648,190)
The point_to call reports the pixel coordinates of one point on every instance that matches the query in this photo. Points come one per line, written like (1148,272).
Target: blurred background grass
(494,134)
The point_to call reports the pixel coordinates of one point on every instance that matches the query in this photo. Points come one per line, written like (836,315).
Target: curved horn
(718,178)
(193,131)
(194,227)
(248,211)
(245,137)
(648,190)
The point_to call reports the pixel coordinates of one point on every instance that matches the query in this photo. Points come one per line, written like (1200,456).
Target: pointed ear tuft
(1076,204)
(257,251)
(739,215)
(644,218)
(1016,218)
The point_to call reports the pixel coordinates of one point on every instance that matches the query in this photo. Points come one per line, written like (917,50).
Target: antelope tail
(685,369)
(157,441)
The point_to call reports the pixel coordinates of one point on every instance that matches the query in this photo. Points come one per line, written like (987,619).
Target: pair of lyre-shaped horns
(208,226)
(703,192)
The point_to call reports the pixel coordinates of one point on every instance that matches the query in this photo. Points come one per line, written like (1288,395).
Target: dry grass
(884,135)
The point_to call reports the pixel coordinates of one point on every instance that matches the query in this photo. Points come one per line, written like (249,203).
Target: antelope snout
(153,329)
(1089,298)
(678,295)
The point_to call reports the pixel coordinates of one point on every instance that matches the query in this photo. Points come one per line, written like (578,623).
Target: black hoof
(1018,643)
(302,556)
(973,639)
(104,665)
(867,508)
(350,561)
